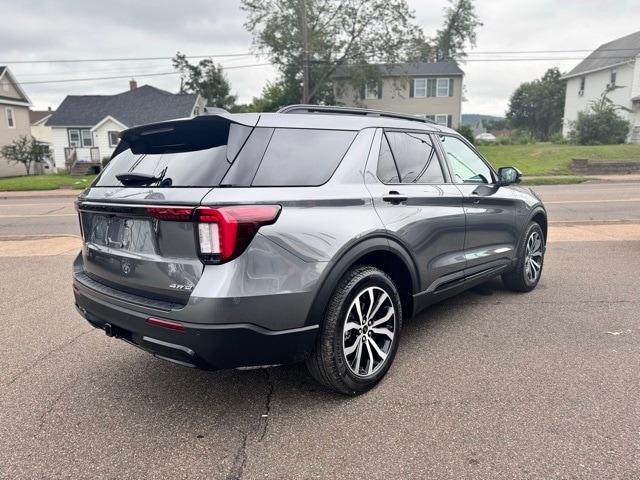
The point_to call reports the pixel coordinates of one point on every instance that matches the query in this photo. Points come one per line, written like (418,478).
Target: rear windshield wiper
(137,178)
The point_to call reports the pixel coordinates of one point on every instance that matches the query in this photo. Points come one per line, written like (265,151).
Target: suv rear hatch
(137,218)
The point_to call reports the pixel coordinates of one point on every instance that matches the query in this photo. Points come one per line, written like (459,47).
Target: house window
(113,138)
(420,87)
(80,138)
(370,93)
(612,80)
(442,119)
(87,140)
(582,82)
(74,138)
(11,121)
(442,89)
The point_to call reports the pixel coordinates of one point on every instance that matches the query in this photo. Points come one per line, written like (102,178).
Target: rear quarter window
(302,157)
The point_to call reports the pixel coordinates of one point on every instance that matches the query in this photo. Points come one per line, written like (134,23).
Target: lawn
(45,182)
(553,159)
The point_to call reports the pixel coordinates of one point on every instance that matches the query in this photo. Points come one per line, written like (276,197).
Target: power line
(121,59)
(117,77)
(631,50)
(248,54)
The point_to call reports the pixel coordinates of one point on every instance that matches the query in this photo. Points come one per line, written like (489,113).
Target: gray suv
(241,240)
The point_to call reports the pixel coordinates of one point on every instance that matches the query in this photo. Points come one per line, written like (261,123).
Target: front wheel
(526,274)
(360,332)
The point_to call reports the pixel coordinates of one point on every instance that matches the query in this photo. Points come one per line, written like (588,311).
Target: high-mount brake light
(225,232)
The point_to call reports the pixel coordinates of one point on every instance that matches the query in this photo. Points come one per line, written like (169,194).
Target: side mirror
(508,176)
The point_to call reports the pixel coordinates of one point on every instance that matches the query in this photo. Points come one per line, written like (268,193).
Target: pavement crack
(55,210)
(53,404)
(239,459)
(44,357)
(267,407)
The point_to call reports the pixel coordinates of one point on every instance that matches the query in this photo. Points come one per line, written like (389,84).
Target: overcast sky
(72,29)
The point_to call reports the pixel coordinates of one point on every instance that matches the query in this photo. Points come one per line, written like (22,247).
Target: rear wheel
(360,333)
(526,274)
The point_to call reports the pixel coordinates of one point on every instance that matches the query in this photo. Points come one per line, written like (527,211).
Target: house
(85,128)
(14,118)
(427,89)
(39,128)
(616,63)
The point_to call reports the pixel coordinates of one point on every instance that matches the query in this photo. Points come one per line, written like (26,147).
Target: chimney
(133,84)
(49,109)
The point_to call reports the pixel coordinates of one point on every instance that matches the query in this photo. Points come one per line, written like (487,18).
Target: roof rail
(213,111)
(336,110)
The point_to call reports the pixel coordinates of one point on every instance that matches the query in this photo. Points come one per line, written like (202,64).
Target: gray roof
(416,69)
(609,54)
(142,105)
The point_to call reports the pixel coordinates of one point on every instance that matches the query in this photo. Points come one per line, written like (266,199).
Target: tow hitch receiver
(108,329)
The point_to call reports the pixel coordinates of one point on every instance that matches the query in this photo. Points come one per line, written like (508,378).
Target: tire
(334,362)
(522,278)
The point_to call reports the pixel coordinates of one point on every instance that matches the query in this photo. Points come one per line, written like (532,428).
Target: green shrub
(600,124)
(467,132)
(599,128)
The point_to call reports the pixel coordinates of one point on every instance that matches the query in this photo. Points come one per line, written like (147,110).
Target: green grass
(553,159)
(44,182)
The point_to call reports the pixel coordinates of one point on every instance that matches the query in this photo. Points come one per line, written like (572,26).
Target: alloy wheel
(533,257)
(369,331)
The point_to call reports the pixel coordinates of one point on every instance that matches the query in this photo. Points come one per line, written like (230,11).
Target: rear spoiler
(182,135)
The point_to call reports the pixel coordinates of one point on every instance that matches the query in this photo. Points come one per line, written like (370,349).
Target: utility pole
(305,54)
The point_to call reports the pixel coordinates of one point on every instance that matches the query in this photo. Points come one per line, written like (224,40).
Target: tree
(459,30)
(307,40)
(24,150)
(600,124)
(204,78)
(467,132)
(538,106)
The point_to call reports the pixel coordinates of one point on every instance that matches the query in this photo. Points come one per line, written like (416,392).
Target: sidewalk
(61,192)
(572,179)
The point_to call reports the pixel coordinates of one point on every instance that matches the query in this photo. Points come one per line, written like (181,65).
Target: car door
(491,233)
(417,203)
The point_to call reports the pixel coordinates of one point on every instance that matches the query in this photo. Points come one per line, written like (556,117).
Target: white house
(85,128)
(616,63)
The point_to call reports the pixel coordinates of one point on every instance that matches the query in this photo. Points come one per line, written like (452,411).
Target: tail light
(225,232)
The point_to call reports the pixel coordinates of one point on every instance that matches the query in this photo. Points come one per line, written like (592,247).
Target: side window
(302,157)
(415,158)
(387,171)
(466,165)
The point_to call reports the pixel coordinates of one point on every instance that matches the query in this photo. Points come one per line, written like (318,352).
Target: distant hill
(472,119)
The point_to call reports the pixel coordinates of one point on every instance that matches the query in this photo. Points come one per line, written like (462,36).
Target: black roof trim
(336,110)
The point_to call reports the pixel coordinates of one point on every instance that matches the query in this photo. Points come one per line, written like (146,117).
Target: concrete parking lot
(489,384)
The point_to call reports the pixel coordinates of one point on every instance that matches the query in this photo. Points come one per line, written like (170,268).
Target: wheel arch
(539,215)
(381,252)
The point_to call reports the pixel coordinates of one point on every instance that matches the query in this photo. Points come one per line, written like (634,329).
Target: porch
(82,161)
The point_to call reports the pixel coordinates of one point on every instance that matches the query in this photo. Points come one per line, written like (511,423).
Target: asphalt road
(489,384)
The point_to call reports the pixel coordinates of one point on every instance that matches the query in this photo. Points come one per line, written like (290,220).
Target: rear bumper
(206,346)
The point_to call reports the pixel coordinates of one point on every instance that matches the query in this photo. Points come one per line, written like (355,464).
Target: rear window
(302,157)
(200,168)
(268,157)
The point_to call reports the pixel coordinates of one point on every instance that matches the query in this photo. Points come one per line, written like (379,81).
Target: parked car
(486,137)
(237,240)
